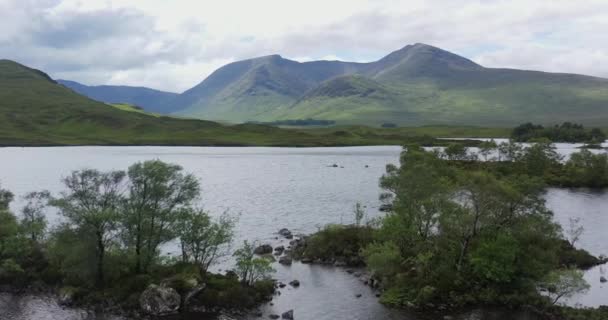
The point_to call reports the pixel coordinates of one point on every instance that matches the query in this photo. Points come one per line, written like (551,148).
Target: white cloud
(173,45)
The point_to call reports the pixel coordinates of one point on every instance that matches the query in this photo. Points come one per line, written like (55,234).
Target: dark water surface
(272,188)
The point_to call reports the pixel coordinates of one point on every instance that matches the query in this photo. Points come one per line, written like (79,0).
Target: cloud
(173,45)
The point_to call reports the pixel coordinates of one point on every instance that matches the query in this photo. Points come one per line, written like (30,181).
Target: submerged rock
(295,283)
(285,260)
(287,315)
(263,249)
(159,301)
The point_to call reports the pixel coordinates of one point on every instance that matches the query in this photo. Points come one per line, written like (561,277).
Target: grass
(415,86)
(36,111)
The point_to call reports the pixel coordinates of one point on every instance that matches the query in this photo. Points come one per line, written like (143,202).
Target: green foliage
(203,241)
(250,268)
(158,192)
(566,132)
(338,243)
(466,232)
(33,222)
(564,284)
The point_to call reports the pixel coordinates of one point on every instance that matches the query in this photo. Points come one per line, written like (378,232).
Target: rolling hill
(416,85)
(149,99)
(36,110)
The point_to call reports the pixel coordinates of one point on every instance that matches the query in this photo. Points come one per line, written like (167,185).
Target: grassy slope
(417,85)
(34,110)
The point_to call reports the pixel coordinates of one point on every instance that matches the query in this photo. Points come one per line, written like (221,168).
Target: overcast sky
(173,45)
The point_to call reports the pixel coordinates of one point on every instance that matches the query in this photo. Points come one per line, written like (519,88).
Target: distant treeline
(298,122)
(566,132)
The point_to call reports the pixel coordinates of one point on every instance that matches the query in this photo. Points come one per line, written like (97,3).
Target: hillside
(416,85)
(36,110)
(149,99)
(247,90)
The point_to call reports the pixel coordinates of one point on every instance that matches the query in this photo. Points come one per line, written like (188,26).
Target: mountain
(246,90)
(36,110)
(149,99)
(416,85)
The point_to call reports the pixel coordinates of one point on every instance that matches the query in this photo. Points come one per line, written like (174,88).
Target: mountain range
(36,110)
(416,85)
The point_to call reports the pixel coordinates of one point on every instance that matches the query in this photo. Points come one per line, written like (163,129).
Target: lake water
(272,188)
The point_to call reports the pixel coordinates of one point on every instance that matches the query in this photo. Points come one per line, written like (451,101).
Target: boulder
(603,279)
(279,249)
(386,207)
(274,316)
(358,295)
(285,260)
(295,283)
(159,301)
(263,249)
(287,315)
(66,296)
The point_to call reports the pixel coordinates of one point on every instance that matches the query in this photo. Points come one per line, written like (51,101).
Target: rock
(603,279)
(159,301)
(263,249)
(358,295)
(386,207)
(285,260)
(295,283)
(340,263)
(306,260)
(287,315)
(350,271)
(193,293)
(279,250)
(367,166)
(282,285)
(284,232)
(274,316)
(224,317)
(334,165)
(66,296)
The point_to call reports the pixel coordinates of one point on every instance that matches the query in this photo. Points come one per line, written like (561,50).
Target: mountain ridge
(421,85)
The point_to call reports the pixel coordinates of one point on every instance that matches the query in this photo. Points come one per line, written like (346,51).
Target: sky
(173,45)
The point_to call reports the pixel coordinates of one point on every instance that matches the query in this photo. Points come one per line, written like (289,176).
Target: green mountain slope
(35,110)
(247,90)
(416,85)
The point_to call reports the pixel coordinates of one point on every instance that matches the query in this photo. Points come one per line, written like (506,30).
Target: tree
(92,202)
(33,221)
(574,231)
(509,151)
(539,158)
(359,214)
(249,267)
(203,240)
(564,284)
(456,151)
(157,193)
(486,148)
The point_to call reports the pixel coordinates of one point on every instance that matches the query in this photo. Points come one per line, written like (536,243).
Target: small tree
(575,230)
(486,148)
(359,214)
(33,222)
(157,193)
(91,202)
(203,240)
(456,151)
(249,267)
(564,284)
